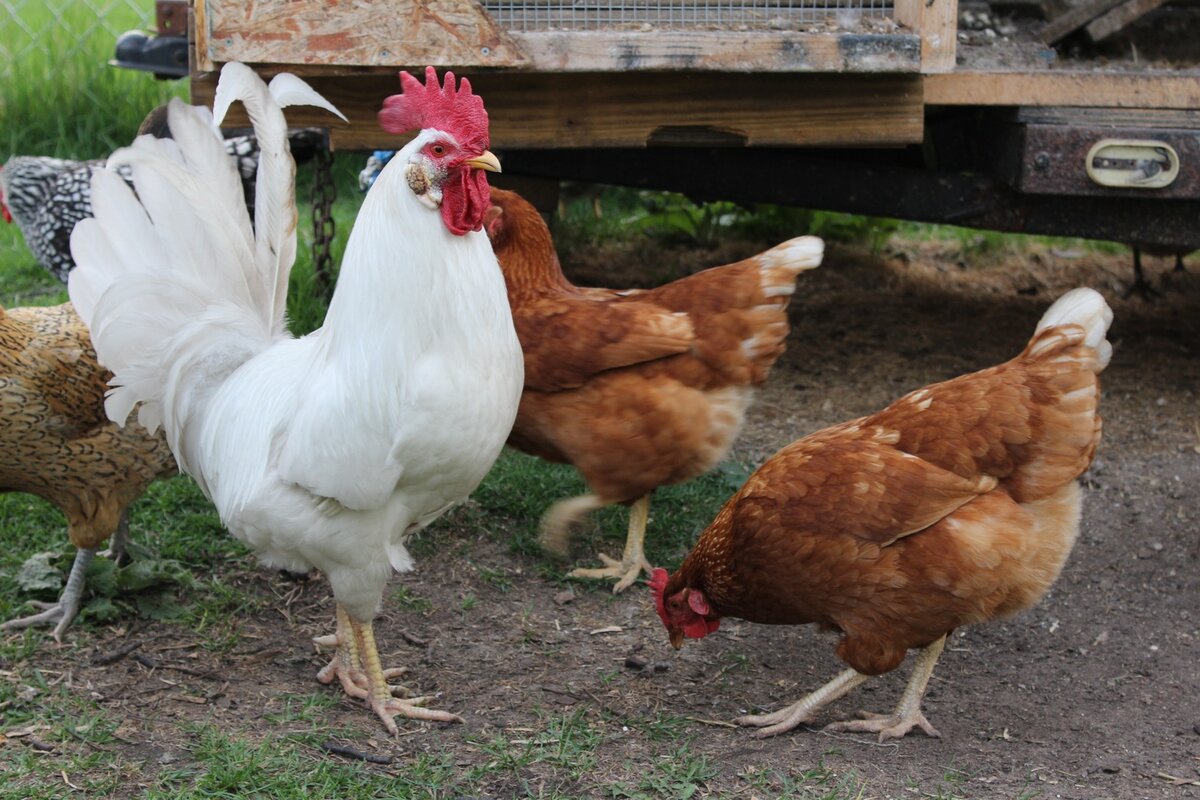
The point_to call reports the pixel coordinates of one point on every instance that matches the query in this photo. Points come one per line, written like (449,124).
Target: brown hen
(636,389)
(956,504)
(56,442)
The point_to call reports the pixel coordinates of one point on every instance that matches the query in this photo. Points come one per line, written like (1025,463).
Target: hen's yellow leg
(633,560)
(803,709)
(908,711)
(379,694)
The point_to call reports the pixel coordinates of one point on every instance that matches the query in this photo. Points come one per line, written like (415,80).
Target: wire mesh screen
(532,15)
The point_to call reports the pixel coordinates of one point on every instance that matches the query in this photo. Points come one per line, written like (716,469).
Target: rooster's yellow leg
(380,697)
(803,709)
(633,560)
(908,711)
(346,664)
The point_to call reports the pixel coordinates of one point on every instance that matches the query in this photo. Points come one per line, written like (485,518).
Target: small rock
(1111,769)
(635,662)
(564,597)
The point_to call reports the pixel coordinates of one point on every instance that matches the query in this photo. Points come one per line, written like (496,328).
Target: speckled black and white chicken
(46,197)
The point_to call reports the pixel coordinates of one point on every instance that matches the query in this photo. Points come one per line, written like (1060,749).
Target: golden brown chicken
(956,504)
(636,389)
(56,442)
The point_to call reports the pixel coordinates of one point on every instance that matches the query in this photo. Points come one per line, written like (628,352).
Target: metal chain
(324,192)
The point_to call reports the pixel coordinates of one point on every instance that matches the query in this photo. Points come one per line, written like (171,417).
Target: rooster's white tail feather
(175,285)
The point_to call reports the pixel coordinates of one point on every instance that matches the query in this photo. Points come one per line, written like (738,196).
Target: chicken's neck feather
(406,282)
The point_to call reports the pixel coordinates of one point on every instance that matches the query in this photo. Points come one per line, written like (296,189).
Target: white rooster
(331,449)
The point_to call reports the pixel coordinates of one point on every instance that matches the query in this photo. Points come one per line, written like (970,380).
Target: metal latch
(1132,163)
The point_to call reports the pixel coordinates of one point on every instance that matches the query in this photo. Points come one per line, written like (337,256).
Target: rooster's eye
(438,150)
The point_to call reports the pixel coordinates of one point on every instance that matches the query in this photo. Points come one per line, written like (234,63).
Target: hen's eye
(439,150)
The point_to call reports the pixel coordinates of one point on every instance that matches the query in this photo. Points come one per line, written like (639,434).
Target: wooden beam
(1119,18)
(1075,18)
(720,51)
(634,110)
(936,22)
(1176,89)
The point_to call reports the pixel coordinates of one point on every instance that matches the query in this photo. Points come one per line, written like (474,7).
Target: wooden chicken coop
(904,108)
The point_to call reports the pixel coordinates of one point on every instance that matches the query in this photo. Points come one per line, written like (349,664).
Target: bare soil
(1095,693)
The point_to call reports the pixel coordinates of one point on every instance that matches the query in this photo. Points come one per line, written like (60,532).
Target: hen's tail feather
(177,288)
(766,323)
(1083,307)
(1067,352)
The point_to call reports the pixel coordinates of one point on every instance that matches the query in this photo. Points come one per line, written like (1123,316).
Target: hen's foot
(633,560)
(780,721)
(908,711)
(626,572)
(802,710)
(118,545)
(48,613)
(65,610)
(888,726)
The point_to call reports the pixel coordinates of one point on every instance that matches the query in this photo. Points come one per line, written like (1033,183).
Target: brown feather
(55,441)
(956,504)
(637,389)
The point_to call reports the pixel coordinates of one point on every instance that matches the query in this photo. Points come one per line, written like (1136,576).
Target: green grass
(58,96)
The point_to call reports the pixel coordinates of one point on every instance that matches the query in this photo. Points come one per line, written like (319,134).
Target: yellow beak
(676,638)
(486,161)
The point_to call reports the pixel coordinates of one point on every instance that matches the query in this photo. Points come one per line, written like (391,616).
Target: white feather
(324,451)
(1086,308)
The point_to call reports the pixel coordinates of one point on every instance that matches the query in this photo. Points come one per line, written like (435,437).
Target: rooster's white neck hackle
(406,282)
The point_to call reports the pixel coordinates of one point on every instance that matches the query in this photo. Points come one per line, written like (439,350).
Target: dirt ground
(1095,693)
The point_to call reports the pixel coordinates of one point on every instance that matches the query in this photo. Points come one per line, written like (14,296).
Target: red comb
(658,580)
(450,108)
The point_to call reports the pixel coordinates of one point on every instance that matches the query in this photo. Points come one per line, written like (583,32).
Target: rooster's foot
(626,572)
(888,726)
(412,708)
(346,667)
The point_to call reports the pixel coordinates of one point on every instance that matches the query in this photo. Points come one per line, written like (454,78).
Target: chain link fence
(43,30)
(58,95)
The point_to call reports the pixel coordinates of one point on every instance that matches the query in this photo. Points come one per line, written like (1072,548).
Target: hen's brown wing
(852,480)
(570,338)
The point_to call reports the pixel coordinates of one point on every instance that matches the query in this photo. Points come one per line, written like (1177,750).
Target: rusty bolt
(1041,161)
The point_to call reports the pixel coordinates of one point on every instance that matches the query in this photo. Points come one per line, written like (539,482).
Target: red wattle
(465,201)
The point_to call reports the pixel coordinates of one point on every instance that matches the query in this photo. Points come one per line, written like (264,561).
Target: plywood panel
(354,33)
